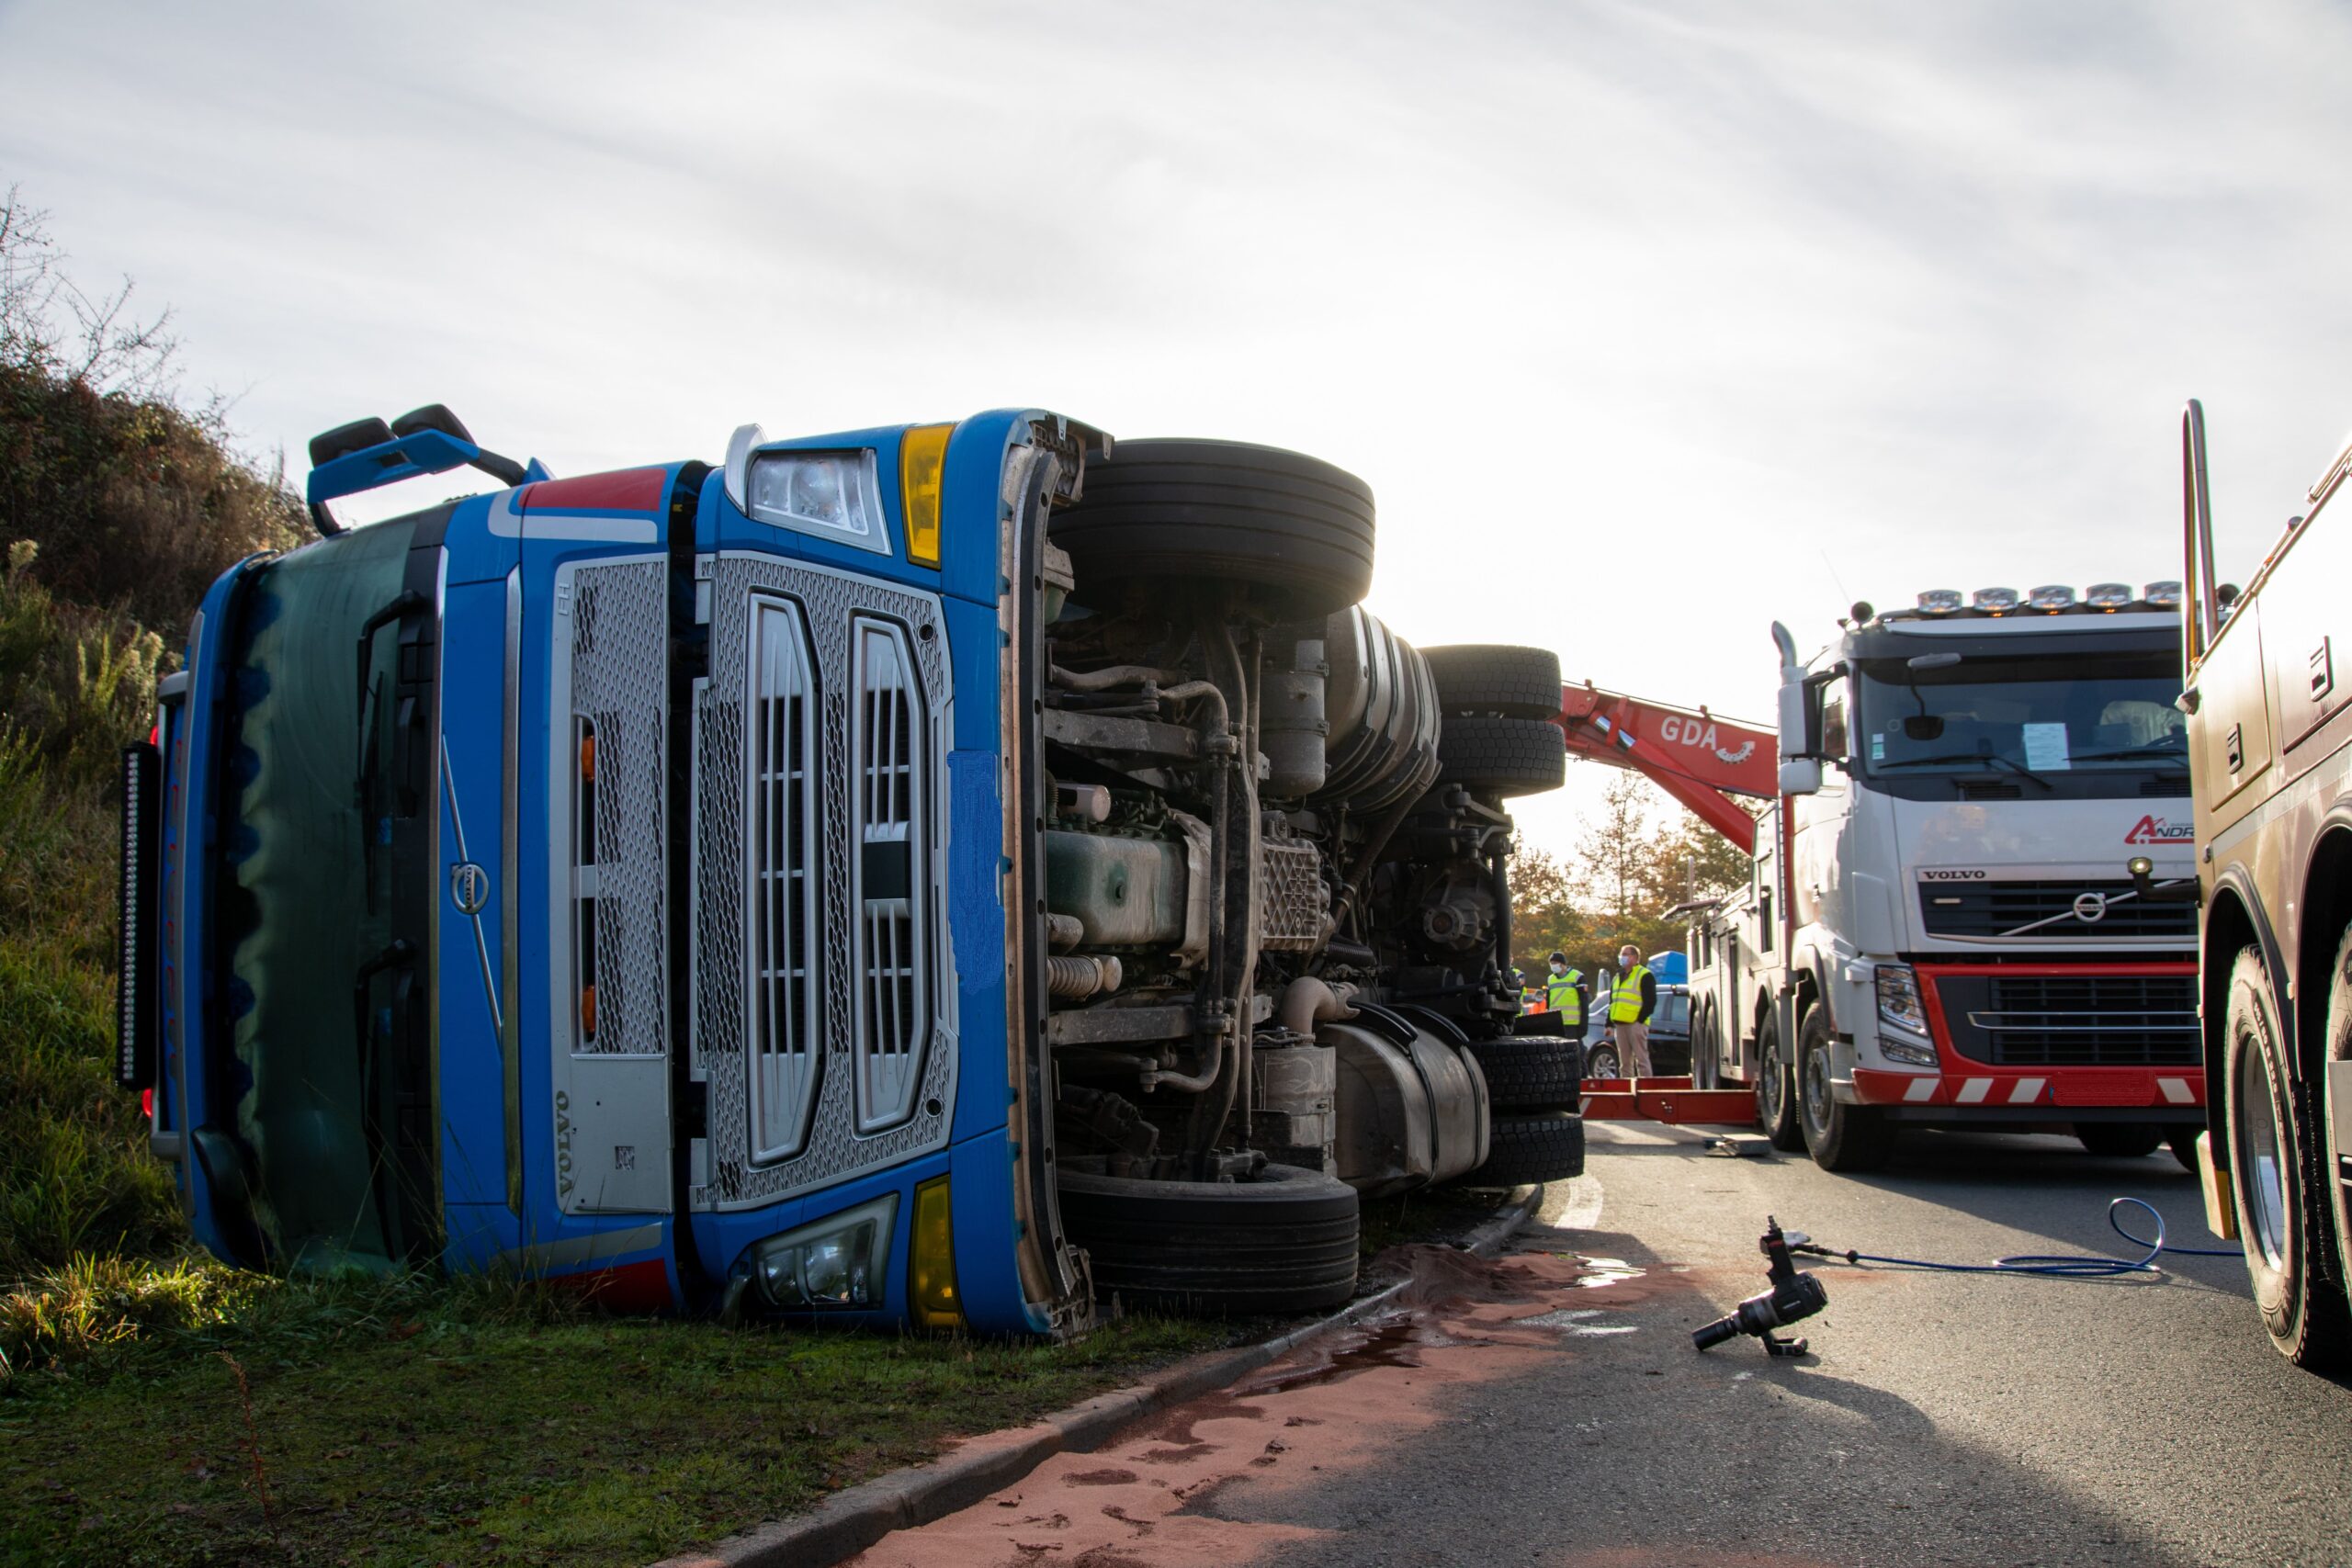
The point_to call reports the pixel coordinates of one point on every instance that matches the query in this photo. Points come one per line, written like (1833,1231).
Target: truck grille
(2045,909)
(891,774)
(780,825)
(2090,1021)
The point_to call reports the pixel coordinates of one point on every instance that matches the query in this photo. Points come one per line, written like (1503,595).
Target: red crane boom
(1698,758)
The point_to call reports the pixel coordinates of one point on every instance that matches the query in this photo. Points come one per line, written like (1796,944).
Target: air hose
(2063,1265)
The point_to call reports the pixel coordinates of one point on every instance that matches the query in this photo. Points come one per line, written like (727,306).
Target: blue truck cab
(941,874)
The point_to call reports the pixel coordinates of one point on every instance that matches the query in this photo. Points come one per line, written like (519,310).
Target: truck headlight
(839,1263)
(1898,999)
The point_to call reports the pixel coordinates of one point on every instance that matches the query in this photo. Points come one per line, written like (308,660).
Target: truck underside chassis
(669,967)
(1277,899)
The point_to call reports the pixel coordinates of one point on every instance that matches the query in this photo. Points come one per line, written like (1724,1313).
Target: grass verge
(409,1420)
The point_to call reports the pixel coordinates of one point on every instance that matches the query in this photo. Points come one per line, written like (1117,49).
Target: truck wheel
(2338,1047)
(1776,1107)
(2289,1242)
(1505,756)
(2183,1140)
(1706,1048)
(1842,1138)
(1546,1147)
(1283,1242)
(1529,1074)
(2120,1140)
(1492,678)
(1294,527)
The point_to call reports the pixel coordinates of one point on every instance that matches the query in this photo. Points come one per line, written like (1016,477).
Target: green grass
(413,1420)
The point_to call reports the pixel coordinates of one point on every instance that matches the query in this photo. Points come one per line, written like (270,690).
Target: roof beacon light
(1940,601)
(2108,596)
(2165,596)
(1995,601)
(2050,598)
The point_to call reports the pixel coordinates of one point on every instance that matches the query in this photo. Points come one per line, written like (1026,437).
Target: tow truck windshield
(2110,716)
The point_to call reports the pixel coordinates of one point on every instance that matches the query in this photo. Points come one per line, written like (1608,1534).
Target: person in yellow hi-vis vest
(1631,999)
(1564,992)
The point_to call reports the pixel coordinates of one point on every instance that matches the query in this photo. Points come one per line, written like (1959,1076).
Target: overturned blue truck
(938,875)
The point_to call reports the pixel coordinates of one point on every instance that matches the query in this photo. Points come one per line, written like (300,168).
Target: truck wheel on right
(2282,1213)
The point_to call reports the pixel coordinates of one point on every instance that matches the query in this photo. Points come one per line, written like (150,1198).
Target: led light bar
(2050,598)
(1940,602)
(2165,596)
(2107,596)
(1995,601)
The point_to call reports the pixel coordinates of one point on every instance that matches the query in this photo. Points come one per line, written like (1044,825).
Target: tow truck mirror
(1800,718)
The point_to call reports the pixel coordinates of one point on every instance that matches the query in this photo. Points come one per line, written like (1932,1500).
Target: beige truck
(2270,750)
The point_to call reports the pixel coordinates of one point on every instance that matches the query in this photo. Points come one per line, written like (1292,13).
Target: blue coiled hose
(2063,1265)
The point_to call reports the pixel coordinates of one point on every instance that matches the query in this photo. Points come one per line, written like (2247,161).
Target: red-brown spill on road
(1339,1402)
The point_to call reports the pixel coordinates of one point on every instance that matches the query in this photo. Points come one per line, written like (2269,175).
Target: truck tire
(1546,1147)
(1706,1047)
(1841,1137)
(1530,1074)
(1497,679)
(2183,1142)
(1502,756)
(2290,1241)
(2335,1135)
(1294,526)
(2118,1140)
(1776,1107)
(1284,1242)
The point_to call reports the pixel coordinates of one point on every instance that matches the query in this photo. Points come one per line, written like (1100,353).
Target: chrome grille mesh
(618,613)
(828,603)
(778,764)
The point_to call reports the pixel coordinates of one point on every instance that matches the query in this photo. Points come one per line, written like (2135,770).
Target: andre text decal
(2160,830)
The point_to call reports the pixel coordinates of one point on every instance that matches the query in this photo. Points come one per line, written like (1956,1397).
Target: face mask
(1559,968)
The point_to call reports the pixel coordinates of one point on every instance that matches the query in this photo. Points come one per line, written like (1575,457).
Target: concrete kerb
(852,1519)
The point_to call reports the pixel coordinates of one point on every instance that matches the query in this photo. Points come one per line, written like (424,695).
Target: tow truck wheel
(1492,678)
(2120,1140)
(2338,1134)
(1707,1049)
(1842,1138)
(2290,1241)
(1294,528)
(1776,1109)
(1283,1242)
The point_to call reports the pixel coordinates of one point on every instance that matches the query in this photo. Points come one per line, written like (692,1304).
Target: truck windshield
(2037,717)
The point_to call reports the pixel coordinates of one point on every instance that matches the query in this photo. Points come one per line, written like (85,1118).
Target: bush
(118,507)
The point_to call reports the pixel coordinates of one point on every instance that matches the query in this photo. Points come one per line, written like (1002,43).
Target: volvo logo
(469,887)
(2090,907)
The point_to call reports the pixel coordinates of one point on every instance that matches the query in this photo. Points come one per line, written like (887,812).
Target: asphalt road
(1942,1418)
(1548,1409)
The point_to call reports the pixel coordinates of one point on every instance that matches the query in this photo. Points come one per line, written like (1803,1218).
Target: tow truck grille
(2049,908)
(2092,1020)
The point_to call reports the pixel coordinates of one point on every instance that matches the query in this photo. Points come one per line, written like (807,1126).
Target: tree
(1629,869)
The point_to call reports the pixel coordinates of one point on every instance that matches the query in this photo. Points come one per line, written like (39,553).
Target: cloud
(1649,323)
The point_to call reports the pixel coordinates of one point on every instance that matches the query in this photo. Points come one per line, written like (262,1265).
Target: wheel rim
(2260,1155)
(1770,1084)
(1604,1065)
(1817,1095)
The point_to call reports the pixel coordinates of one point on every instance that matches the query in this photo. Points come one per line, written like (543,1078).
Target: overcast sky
(1648,324)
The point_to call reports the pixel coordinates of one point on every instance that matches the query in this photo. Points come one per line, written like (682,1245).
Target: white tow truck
(1935,932)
